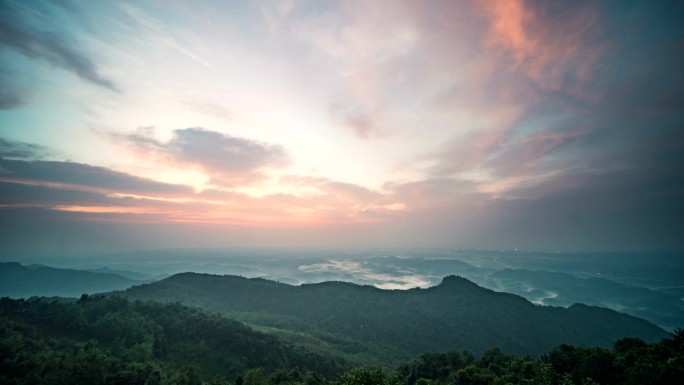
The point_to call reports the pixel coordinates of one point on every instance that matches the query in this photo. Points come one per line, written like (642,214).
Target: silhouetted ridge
(458,282)
(394,325)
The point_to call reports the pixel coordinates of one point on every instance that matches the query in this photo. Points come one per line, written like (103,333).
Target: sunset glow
(509,123)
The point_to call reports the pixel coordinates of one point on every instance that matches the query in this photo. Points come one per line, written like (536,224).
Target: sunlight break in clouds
(506,123)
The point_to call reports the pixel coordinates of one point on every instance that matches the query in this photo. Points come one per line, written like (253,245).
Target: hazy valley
(646,285)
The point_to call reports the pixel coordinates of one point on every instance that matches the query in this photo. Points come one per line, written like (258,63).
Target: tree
(187,375)
(368,376)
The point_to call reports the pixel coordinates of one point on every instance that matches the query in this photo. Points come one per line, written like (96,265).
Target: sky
(504,124)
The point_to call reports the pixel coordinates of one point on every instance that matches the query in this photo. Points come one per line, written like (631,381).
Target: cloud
(78,174)
(335,201)
(11,96)
(312,201)
(207,107)
(553,45)
(28,184)
(98,193)
(225,153)
(364,273)
(561,98)
(10,100)
(49,47)
(498,162)
(616,205)
(334,265)
(14,194)
(157,34)
(616,210)
(512,121)
(227,159)
(357,51)
(434,194)
(465,153)
(363,124)
(341,190)
(21,150)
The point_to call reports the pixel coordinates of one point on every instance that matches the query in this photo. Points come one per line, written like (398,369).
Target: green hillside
(112,341)
(391,326)
(114,335)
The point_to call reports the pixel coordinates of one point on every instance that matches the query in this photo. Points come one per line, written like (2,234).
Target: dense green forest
(99,340)
(392,326)
(52,341)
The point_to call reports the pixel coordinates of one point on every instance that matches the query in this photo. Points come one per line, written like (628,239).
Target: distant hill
(560,289)
(136,276)
(20,281)
(392,325)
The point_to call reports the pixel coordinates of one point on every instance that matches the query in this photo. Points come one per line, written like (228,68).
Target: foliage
(99,340)
(391,326)
(103,339)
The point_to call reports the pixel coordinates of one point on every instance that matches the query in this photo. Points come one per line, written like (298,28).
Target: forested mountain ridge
(19,281)
(391,326)
(109,341)
(95,338)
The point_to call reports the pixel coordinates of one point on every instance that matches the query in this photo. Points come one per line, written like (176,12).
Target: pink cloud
(545,46)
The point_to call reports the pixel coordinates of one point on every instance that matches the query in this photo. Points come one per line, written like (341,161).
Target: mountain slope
(99,335)
(19,281)
(391,325)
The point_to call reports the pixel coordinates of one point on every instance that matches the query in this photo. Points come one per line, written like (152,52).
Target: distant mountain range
(20,281)
(646,285)
(560,289)
(393,325)
(370,324)
(134,275)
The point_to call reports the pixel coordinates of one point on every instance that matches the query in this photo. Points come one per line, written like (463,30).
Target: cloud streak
(50,48)
(104,194)
(78,174)
(22,150)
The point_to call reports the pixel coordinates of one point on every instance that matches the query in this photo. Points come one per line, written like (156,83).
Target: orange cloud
(509,18)
(546,46)
(322,202)
(103,209)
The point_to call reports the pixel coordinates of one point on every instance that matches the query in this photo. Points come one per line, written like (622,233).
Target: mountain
(560,289)
(20,281)
(98,340)
(389,326)
(129,274)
